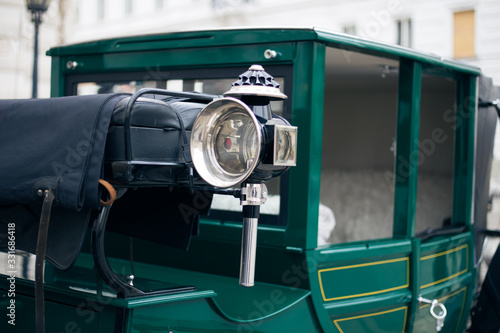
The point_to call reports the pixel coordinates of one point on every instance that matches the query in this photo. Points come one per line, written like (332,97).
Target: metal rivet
(130,279)
(270,54)
(71,65)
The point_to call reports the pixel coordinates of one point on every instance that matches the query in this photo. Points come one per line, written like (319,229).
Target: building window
(77,12)
(221,4)
(159,4)
(464,34)
(100,9)
(350,29)
(404,32)
(128,7)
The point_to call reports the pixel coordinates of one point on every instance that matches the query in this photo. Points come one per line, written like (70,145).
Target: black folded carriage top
(63,144)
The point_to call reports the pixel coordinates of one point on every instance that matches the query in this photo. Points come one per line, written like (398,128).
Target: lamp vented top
(256,82)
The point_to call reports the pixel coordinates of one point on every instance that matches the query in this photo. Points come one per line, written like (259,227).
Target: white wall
(16,49)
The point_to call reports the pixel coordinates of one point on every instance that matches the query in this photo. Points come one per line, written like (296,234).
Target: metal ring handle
(443,312)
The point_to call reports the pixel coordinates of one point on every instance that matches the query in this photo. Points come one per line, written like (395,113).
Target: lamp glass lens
(226,142)
(285,145)
(235,141)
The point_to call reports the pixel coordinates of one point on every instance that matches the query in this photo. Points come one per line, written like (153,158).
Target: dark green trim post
(406,164)
(307,113)
(414,284)
(57,79)
(463,186)
(465,126)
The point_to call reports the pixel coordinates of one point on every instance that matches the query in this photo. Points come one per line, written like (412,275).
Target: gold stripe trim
(336,322)
(465,246)
(444,252)
(364,265)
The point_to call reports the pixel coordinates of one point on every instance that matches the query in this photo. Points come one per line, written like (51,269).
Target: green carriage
(374,223)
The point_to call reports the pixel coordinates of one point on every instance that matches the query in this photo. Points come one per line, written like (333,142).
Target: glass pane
(207,86)
(436,148)
(357,171)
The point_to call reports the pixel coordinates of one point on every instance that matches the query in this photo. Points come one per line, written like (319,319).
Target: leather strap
(111,190)
(41,248)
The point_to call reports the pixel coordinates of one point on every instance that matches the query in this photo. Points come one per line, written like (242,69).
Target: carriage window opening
(224,207)
(357,172)
(207,86)
(436,153)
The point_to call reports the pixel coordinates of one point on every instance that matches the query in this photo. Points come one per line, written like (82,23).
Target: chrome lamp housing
(226,142)
(234,140)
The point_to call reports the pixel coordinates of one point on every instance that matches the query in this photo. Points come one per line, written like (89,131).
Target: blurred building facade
(16,48)
(466,30)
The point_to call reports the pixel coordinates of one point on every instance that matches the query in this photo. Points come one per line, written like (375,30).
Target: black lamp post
(37,8)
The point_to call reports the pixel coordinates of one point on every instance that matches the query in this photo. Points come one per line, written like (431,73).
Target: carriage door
(362,283)
(444,259)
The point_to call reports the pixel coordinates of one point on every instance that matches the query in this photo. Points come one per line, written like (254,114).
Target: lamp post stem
(35,61)
(249,245)
(253,195)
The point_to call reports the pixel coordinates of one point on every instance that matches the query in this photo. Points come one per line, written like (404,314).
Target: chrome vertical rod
(248,250)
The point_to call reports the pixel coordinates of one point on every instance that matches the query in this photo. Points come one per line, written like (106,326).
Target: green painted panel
(363,279)
(195,56)
(222,290)
(455,305)
(443,266)
(346,255)
(359,250)
(199,316)
(160,59)
(232,300)
(393,320)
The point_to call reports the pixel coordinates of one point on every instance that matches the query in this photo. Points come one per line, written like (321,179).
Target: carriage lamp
(237,140)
